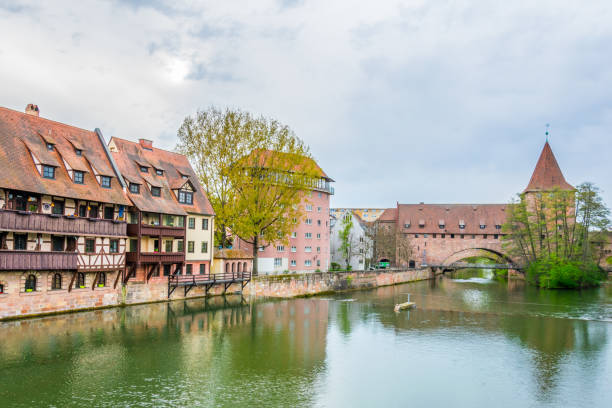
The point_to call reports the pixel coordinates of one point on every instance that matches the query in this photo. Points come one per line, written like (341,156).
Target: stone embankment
(286,286)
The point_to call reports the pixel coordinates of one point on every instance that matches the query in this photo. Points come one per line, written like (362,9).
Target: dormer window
(48,172)
(105,181)
(159,172)
(482,226)
(144,169)
(185,197)
(441,224)
(155,191)
(461,224)
(185,177)
(497,226)
(134,188)
(78,152)
(50,147)
(407,224)
(78,177)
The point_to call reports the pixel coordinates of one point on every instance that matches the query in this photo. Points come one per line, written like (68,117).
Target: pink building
(308,247)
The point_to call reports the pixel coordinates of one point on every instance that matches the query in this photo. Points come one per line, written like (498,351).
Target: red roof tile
(390,214)
(547,174)
(431,216)
(130,154)
(21,133)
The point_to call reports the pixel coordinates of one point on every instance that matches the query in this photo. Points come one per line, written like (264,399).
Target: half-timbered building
(62,210)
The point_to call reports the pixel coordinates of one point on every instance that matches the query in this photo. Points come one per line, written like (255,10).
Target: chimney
(146,144)
(32,109)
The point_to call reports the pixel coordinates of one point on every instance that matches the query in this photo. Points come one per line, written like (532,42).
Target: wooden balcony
(36,261)
(155,230)
(155,257)
(59,224)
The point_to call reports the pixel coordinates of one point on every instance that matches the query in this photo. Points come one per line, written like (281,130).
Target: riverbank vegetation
(559,236)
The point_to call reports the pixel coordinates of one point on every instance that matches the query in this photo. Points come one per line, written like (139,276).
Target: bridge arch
(488,253)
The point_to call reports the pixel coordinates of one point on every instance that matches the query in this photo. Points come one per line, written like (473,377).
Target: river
(471,342)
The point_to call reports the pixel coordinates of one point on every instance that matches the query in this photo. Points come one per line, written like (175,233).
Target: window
(319,222)
(416,235)
(497,226)
(90,245)
(293,263)
(307,249)
(202,269)
(280,248)
(57,243)
(482,226)
(109,213)
(319,262)
(319,208)
(30,283)
(189,270)
(181,221)
(20,242)
(93,211)
(318,250)
(133,245)
(155,191)
(318,236)
(80,280)
(308,235)
(49,172)
(294,234)
(452,235)
(144,169)
(191,223)
(407,225)
(167,270)
(424,235)
(168,245)
(1,288)
(56,282)
(78,152)
(58,207)
(204,247)
(105,181)
(180,244)
(134,188)
(461,226)
(308,221)
(462,236)
(159,172)
(485,236)
(261,249)
(441,226)
(102,279)
(278,262)
(434,235)
(113,246)
(308,207)
(78,177)
(308,262)
(82,211)
(205,223)
(191,247)
(495,236)
(293,249)
(473,236)
(442,235)
(50,147)
(185,197)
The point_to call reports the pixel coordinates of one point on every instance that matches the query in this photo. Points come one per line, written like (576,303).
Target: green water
(472,342)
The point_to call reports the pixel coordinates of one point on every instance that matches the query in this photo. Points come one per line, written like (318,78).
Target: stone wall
(313,283)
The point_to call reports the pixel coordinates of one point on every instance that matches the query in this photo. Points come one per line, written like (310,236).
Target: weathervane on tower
(547,131)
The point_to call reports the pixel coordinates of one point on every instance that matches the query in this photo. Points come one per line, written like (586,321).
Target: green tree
(255,172)
(346,239)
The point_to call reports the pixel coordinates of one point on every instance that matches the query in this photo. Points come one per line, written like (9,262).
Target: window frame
(134,188)
(104,180)
(78,177)
(114,250)
(45,174)
(88,249)
(156,191)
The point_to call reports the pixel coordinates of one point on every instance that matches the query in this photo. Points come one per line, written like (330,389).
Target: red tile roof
(21,134)
(390,214)
(131,155)
(451,215)
(226,253)
(547,174)
(264,158)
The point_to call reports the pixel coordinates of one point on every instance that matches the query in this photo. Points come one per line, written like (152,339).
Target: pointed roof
(547,174)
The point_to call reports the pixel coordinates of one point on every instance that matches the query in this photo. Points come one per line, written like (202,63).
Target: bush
(334,266)
(553,273)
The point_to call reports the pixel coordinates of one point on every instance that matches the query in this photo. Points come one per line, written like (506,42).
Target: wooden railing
(61,224)
(36,261)
(155,257)
(181,280)
(155,230)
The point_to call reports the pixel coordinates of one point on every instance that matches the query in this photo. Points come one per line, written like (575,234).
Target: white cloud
(408,101)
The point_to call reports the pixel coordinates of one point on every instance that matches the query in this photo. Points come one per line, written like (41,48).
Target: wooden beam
(153,268)
(74,274)
(95,280)
(117,278)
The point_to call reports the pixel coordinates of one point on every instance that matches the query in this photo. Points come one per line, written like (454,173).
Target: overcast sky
(409,101)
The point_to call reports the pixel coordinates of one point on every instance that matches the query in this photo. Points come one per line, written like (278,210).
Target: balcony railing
(155,230)
(36,261)
(59,224)
(155,257)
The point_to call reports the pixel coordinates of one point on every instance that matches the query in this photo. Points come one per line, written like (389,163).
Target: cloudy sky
(409,101)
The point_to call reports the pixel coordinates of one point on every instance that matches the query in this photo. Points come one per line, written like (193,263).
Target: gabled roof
(130,154)
(21,134)
(547,174)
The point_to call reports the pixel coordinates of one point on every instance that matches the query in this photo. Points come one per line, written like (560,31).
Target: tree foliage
(553,234)
(255,172)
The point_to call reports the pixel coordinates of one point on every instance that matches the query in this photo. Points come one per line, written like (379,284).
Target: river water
(471,342)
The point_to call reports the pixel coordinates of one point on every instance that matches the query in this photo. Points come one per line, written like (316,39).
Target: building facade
(62,217)
(364,214)
(359,247)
